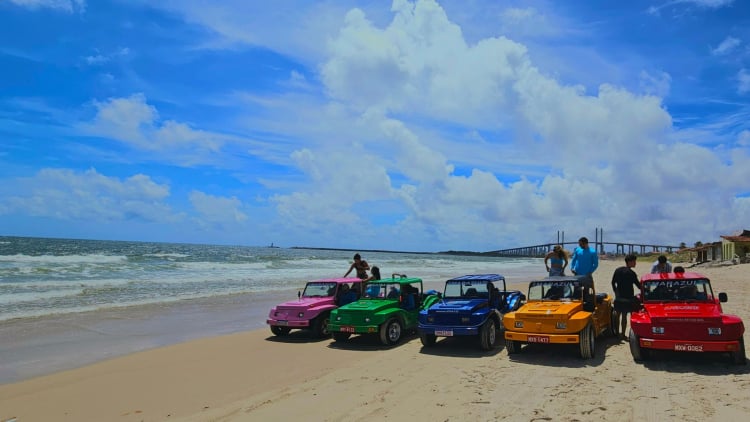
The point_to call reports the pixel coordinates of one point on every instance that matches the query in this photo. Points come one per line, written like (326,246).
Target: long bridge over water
(621,248)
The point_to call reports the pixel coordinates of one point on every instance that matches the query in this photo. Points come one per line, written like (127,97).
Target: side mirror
(723,297)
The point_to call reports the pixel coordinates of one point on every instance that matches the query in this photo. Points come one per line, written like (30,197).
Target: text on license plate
(688,347)
(444,333)
(537,339)
(347,329)
(282,322)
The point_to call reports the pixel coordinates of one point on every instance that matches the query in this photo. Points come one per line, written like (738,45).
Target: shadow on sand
(462,347)
(562,355)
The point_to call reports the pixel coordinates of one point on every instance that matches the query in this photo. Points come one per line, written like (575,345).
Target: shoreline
(253,375)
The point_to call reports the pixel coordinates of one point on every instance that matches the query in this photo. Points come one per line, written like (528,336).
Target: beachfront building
(736,246)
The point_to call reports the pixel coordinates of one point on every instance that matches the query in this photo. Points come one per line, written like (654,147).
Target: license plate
(282,322)
(347,329)
(537,339)
(444,333)
(688,347)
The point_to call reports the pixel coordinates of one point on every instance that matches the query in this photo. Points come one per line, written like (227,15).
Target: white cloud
(134,122)
(727,46)
(69,195)
(217,211)
(611,153)
(655,84)
(69,6)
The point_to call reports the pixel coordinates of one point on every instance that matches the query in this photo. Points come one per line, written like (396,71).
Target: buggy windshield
(319,289)
(677,290)
(390,291)
(556,290)
(465,289)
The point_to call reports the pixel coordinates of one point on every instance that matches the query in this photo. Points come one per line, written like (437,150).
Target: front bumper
(449,330)
(690,346)
(542,337)
(353,329)
(288,323)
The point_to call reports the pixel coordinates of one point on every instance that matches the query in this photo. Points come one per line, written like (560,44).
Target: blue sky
(409,125)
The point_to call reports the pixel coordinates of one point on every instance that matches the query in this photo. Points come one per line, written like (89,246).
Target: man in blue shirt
(585,260)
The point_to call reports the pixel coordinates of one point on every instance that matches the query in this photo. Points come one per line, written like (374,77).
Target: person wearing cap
(661,265)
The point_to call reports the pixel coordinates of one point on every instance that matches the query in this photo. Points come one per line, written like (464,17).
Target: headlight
(714,331)
(657,330)
(518,324)
(301,314)
(561,325)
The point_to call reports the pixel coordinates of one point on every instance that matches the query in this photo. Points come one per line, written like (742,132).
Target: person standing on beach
(360,265)
(585,260)
(623,280)
(661,265)
(558,260)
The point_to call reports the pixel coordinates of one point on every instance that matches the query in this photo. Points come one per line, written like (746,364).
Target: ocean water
(40,277)
(67,303)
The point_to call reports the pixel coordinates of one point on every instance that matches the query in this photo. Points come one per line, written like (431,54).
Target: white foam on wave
(63,259)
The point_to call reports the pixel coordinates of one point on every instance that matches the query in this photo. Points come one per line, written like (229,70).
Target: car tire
(739,357)
(428,340)
(512,346)
(488,335)
(586,342)
(280,331)
(639,353)
(391,331)
(320,326)
(613,324)
(339,336)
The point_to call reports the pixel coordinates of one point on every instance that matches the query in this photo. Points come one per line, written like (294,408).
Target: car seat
(471,292)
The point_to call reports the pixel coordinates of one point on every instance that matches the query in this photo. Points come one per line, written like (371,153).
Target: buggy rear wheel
(280,331)
(488,334)
(390,332)
(512,346)
(586,342)
(320,326)
(339,336)
(739,357)
(639,353)
(428,340)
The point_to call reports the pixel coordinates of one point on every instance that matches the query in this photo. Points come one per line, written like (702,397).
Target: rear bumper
(542,338)
(690,346)
(288,323)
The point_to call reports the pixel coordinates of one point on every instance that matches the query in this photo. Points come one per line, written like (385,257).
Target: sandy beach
(256,376)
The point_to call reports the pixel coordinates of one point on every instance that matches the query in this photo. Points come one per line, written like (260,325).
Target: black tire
(739,357)
(280,331)
(339,336)
(639,353)
(488,335)
(512,346)
(391,331)
(613,329)
(428,340)
(586,343)
(320,326)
